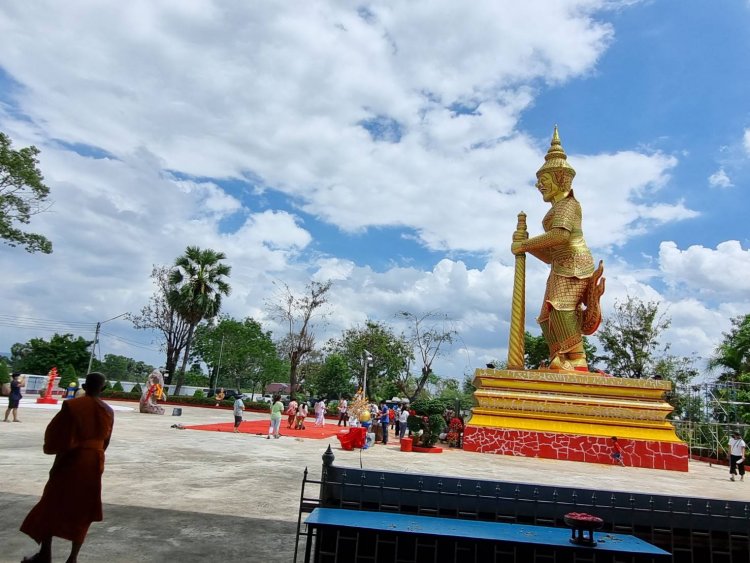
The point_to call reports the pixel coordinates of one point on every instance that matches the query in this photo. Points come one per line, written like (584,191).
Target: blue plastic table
(517,534)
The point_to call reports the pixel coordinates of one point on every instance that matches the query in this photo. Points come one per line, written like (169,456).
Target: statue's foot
(558,364)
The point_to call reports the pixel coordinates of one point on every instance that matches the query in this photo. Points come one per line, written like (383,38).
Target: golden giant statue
(562,411)
(570,307)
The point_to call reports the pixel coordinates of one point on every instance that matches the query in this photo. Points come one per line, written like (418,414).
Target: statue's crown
(556,160)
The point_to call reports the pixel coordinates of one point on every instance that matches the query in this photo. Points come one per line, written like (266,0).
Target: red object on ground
(671,456)
(261,427)
(406,444)
(346,441)
(432,450)
(354,438)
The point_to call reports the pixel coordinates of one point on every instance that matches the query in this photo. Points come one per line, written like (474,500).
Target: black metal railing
(693,530)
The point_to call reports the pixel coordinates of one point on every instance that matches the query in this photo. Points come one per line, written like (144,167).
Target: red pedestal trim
(573,447)
(47,400)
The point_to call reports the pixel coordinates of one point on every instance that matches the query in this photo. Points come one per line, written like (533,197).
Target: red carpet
(261,427)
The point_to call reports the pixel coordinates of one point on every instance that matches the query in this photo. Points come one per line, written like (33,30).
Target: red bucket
(406,444)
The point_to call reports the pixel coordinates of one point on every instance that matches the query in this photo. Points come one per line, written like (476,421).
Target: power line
(43,324)
(130,342)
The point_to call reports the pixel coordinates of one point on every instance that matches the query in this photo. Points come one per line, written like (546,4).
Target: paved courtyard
(187,495)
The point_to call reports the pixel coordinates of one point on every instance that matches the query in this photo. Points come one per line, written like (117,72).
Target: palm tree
(197,283)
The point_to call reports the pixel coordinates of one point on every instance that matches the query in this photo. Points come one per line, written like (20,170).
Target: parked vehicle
(229,394)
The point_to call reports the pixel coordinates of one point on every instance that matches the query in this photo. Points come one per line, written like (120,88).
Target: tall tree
(332,380)
(122,368)
(22,195)
(38,356)
(430,334)
(296,313)
(197,284)
(630,338)
(391,355)
(732,356)
(238,352)
(160,315)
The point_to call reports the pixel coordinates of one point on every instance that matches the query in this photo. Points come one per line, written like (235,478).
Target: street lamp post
(367,358)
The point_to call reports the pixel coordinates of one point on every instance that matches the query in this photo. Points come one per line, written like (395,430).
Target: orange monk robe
(78,436)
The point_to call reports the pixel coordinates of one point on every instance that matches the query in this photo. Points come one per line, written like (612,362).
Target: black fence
(693,530)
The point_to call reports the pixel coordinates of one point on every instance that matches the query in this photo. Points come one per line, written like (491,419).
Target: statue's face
(547,187)
(550,190)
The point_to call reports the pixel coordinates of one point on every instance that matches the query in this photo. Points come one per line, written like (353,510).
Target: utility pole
(93,346)
(218,368)
(96,339)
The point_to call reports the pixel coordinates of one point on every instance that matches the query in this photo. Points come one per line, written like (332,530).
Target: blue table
(327,520)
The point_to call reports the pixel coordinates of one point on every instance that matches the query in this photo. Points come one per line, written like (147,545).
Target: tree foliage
(332,380)
(630,338)
(390,353)
(161,316)
(38,356)
(197,283)
(430,334)
(732,356)
(239,354)
(122,368)
(23,194)
(296,313)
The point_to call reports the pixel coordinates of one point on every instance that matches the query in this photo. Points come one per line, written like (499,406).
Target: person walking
(617,451)
(320,413)
(343,414)
(72,499)
(402,420)
(239,406)
(16,382)
(277,407)
(301,415)
(385,420)
(291,413)
(737,449)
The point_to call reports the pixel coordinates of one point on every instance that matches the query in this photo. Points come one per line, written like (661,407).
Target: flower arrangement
(455,430)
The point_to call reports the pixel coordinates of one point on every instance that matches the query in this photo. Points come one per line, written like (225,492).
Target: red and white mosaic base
(571,447)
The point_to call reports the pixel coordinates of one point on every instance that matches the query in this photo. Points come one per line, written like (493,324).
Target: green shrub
(137,389)
(199,394)
(4,373)
(117,386)
(428,420)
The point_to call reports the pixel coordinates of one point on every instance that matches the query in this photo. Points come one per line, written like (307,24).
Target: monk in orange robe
(78,436)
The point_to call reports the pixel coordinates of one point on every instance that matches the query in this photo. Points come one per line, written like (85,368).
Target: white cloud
(719,179)
(746,141)
(725,270)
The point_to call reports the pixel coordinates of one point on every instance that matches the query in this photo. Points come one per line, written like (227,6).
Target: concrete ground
(187,496)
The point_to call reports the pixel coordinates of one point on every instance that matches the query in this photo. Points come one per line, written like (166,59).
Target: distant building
(277,389)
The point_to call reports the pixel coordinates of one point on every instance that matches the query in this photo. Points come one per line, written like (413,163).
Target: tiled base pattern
(589,449)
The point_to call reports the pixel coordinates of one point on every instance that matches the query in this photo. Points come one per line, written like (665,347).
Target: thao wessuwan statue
(570,308)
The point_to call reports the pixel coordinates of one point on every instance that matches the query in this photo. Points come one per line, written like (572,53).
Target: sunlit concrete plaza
(188,495)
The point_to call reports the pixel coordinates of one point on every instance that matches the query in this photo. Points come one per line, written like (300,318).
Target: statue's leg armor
(566,334)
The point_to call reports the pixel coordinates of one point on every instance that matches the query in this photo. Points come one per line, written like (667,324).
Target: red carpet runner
(261,427)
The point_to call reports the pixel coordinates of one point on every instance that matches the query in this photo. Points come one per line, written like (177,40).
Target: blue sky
(387,146)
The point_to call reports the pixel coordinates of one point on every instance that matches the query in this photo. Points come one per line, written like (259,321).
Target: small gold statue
(571,301)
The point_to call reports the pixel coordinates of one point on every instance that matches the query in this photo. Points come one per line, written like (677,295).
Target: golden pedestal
(574,416)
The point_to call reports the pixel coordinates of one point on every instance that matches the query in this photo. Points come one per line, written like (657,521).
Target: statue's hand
(517,247)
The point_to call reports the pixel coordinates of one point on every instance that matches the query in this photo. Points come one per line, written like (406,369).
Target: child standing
(616,451)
